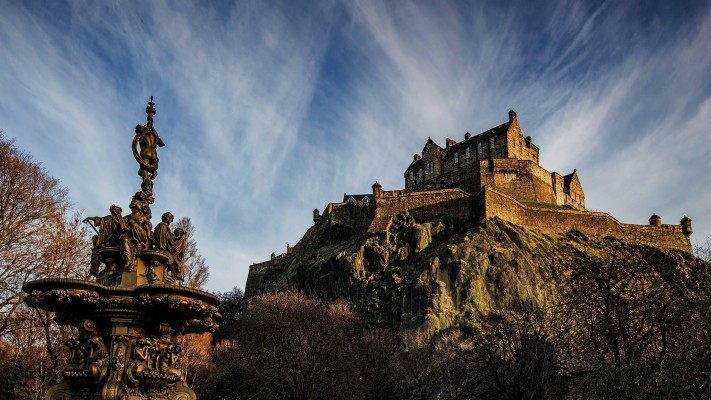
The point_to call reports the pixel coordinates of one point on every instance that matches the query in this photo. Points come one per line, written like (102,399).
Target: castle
(500,158)
(494,174)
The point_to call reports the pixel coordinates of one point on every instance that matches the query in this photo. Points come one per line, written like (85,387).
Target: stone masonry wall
(258,276)
(356,215)
(596,224)
(522,179)
(423,206)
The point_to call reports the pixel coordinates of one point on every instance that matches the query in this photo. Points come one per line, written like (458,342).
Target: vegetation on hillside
(491,310)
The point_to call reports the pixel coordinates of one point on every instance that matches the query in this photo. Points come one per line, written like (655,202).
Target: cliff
(451,272)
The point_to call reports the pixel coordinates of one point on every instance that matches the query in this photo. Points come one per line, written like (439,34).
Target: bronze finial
(150,112)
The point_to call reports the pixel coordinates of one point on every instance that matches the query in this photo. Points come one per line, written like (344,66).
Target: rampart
(374,216)
(356,215)
(423,206)
(492,203)
(259,273)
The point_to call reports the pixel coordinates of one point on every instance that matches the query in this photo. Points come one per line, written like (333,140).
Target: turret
(655,220)
(317,216)
(377,190)
(686,226)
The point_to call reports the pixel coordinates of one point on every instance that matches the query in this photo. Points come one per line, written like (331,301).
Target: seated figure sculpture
(162,237)
(106,235)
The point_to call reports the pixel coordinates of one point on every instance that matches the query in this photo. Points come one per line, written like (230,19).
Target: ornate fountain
(131,316)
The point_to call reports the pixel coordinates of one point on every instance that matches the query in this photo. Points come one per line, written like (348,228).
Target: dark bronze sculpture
(147,157)
(130,319)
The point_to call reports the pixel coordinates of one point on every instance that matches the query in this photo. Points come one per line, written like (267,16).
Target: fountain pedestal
(131,317)
(128,337)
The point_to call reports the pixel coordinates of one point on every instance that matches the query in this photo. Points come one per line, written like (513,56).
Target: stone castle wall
(522,179)
(259,273)
(373,217)
(423,206)
(492,203)
(356,215)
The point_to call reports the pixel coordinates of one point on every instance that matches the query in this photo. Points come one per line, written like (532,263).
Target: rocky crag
(450,272)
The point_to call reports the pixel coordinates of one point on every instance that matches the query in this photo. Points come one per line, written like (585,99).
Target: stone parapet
(493,203)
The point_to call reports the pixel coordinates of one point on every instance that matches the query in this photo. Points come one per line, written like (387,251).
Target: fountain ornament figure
(131,316)
(147,138)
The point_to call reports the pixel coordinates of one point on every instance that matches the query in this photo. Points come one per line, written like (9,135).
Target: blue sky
(271,109)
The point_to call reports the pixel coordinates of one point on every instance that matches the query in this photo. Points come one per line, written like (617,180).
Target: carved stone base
(127,347)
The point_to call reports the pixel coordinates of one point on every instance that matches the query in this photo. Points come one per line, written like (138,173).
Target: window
(466,152)
(412,175)
(479,148)
(420,172)
(430,167)
(456,157)
(365,199)
(491,142)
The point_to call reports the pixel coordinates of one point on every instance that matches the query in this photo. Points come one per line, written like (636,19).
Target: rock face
(443,273)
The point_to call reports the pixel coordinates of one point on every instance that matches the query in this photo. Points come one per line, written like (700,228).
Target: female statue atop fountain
(147,139)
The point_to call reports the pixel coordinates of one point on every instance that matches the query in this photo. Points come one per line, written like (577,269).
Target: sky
(270,109)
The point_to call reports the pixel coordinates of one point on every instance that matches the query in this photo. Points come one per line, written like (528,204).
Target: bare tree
(196,270)
(702,250)
(39,237)
(628,309)
(290,346)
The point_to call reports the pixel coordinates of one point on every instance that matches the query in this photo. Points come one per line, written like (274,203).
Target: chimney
(512,116)
(467,136)
(450,142)
(417,157)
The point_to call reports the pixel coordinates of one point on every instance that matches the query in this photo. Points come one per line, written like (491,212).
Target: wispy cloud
(271,109)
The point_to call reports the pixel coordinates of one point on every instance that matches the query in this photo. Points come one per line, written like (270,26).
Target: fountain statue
(133,312)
